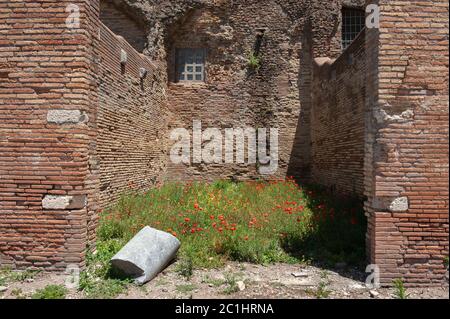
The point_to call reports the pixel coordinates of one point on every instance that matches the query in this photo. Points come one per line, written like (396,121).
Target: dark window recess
(191,65)
(353,21)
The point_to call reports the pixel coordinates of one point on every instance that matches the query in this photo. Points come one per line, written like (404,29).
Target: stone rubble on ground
(357,286)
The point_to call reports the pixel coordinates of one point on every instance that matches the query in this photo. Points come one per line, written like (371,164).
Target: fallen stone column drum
(146,255)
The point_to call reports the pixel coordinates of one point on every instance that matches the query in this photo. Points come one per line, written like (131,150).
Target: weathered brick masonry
(337,120)
(407,140)
(132,148)
(277,96)
(47,125)
(121,23)
(84,116)
(232,96)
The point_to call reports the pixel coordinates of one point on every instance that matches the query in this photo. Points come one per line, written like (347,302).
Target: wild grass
(7,275)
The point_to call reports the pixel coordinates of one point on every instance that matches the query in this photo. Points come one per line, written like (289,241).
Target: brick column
(407,141)
(47,131)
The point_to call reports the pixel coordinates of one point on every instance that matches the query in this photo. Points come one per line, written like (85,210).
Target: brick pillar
(407,141)
(47,131)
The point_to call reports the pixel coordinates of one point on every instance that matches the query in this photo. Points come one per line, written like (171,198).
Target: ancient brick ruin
(86,112)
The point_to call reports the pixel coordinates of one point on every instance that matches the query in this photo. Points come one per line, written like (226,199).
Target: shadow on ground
(337,239)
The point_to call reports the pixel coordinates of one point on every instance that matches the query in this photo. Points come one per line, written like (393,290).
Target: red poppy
(187,219)
(212,217)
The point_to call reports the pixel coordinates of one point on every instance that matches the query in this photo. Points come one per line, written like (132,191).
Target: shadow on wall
(116,17)
(299,163)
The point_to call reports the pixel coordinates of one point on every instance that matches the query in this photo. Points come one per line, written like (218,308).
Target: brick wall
(46,111)
(277,96)
(407,144)
(77,128)
(337,120)
(121,23)
(132,120)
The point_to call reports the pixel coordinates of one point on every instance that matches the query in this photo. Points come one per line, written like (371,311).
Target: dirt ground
(243,281)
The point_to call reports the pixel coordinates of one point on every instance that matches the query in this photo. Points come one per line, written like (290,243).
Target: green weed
(186,268)
(185,288)
(50,292)
(400,290)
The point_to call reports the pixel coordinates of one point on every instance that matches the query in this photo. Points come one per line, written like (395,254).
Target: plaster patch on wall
(382,116)
(66,117)
(64,202)
(399,204)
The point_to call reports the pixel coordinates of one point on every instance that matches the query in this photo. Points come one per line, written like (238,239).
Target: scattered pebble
(3,288)
(374,293)
(357,286)
(299,274)
(241,285)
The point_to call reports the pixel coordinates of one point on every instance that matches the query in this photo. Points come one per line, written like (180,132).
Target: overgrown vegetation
(258,222)
(7,275)
(50,292)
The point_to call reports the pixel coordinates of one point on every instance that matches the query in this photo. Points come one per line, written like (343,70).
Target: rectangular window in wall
(353,21)
(191,65)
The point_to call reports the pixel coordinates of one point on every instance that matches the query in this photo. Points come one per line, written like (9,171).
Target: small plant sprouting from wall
(254,61)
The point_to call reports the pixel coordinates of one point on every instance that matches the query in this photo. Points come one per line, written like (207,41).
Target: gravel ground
(243,281)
